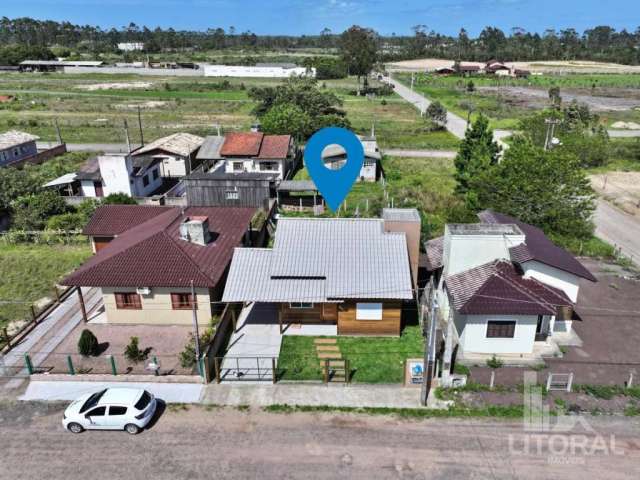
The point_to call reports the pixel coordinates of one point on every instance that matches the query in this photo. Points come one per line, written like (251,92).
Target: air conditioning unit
(143,290)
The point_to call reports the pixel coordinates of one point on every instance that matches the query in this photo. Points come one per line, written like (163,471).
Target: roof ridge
(523,289)
(183,253)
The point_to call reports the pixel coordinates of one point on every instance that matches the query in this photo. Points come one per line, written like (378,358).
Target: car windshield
(144,400)
(92,401)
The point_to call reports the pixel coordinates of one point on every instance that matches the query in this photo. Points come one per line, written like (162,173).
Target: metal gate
(248,369)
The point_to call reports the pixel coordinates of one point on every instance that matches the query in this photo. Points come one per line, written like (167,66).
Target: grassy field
(192,104)
(29,272)
(423,183)
(372,359)
(505,111)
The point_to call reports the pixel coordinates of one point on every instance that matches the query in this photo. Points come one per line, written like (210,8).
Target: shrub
(87,343)
(133,353)
(494,362)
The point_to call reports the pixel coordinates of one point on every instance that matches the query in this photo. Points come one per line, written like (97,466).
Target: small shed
(299,195)
(242,189)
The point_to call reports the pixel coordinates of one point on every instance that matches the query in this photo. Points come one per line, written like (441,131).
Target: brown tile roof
(275,146)
(111,220)
(434,249)
(538,247)
(497,288)
(180,143)
(241,144)
(152,254)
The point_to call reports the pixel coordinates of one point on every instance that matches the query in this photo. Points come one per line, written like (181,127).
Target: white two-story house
(255,152)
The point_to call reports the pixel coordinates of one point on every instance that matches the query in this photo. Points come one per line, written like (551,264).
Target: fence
(46,237)
(217,347)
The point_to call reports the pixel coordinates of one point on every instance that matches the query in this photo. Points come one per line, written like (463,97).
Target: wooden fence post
(274,373)
(82,306)
(216,366)
(326,371)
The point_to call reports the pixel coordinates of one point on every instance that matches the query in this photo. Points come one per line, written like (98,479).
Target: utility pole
(126,133)
(194,311)
(551,127)
(55,120)
(140,126)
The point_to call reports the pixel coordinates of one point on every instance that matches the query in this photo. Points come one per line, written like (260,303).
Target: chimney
(406,220)
(195,230)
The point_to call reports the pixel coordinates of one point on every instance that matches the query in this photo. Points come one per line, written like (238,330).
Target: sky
(311,16)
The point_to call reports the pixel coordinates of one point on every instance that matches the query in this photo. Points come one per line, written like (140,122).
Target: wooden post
(83,309)
(216,366)
(274,376)
(347,371)
(57,293)
(280,318)
(233,317)
(325,374)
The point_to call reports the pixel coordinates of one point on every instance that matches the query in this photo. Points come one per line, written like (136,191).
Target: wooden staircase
(334,367)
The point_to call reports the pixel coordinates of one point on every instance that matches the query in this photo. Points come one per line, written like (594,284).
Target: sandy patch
(626,125)
(620,188)
(146,105)
(114,86)
(535,66)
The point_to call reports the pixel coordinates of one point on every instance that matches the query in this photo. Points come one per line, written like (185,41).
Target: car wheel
(75,428)
(132,429)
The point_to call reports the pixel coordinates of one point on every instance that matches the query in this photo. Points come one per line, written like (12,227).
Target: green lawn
(371,359)
(29,272)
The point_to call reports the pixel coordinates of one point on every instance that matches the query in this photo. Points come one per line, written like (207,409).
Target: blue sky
(311,16)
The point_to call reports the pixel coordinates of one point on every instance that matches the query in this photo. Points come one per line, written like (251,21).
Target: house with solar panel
(504,288)
(330,276)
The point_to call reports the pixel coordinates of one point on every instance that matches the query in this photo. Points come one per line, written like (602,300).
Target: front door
(98,187)
(542,328)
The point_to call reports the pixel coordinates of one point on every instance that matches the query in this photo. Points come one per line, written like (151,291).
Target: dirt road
(619,229)
(224,443)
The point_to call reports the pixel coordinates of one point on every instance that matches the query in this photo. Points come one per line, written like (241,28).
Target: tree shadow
(101,348)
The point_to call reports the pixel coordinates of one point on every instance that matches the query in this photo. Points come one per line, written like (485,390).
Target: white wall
(242,71)
(139,190)
(565,281)
(173,166)
(251,165)
(87,188)
(116,174)
(473,338)
(463,252)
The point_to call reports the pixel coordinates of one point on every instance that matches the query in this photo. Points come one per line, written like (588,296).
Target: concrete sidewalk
(333,395)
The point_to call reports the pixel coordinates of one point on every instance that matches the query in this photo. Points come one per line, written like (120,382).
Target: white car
(129,409)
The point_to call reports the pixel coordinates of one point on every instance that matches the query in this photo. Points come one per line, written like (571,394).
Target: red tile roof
(255,144)
(496,288)
(112,220)
(538,247)
(152,254)
(275,146)
(241,144)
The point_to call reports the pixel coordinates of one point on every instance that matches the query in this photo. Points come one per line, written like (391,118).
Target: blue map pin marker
(334,185)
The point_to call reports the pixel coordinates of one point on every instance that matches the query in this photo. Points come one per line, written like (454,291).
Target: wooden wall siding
(212,192)
(390,324)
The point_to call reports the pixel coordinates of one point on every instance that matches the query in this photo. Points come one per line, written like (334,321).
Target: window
(155,174)
(300,305)
(269,166)
(144,400)
(232,194)
(116,410)
(182,301)
(501,329)
(128,301)
(238,166)
(368,311)
(97,412)
(145,181)
(92,401)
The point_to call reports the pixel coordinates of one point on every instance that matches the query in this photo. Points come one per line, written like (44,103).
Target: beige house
(150,261)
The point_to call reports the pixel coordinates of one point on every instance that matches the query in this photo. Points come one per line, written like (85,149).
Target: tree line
(601,43)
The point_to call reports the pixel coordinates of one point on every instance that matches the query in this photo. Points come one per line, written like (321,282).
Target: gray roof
(323,259)
(401,214)
(297,186)
(220,174)
(210,148)
(178,143)
(13,138)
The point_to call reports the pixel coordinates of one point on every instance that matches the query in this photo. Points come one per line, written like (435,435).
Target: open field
(29,272)
(92,108)
(545,66)
(615,97)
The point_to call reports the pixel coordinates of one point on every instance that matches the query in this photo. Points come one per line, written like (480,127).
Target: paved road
(218,443)
(624,133)
(619,229)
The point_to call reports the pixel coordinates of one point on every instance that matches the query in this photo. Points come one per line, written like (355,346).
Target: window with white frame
(238,166)
(300,305)
(368,311)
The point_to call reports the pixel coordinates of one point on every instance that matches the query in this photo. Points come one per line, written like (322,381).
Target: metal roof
(297,186)
(210,148)
(179,144)
(13,138)
(65,179)
(320,259)
(400,214)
